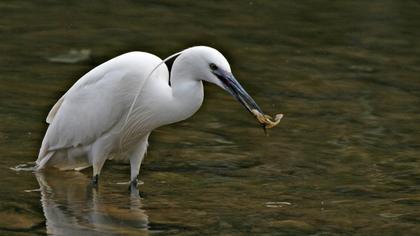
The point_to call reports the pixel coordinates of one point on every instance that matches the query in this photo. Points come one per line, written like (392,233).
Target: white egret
(110,112)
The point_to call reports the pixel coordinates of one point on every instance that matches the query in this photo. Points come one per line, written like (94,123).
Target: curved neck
(187,91)
(183,84)
(184,80)
(187,94)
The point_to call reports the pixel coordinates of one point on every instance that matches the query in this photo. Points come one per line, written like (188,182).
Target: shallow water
(344,160)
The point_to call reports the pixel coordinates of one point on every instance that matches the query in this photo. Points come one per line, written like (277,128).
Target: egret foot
(133,185)
(95,181)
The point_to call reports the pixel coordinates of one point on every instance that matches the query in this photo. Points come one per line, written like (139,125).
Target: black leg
(133,185)
(95,181)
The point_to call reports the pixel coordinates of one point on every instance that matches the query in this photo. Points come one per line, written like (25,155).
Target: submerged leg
(97,164)
(95,179)
(132,188)
(97,167)
(136,158)
(98,157)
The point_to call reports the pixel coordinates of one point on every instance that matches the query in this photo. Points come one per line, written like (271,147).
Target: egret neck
(187,92)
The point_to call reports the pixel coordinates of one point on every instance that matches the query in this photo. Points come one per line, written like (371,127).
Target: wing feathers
(97,102)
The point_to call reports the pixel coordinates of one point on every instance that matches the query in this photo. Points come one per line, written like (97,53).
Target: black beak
(236,89)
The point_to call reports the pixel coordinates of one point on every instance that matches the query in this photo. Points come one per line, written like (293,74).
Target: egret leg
(133,186)
(95,179)
(136,158)
(98,157)
(97,167)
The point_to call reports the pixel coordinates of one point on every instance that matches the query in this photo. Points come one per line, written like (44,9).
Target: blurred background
(343,161)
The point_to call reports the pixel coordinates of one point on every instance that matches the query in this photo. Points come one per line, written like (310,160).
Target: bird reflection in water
(72,207)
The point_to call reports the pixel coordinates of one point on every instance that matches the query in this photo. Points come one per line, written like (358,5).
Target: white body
(90,122)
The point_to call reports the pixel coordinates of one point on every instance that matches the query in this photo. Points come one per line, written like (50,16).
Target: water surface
(344,161)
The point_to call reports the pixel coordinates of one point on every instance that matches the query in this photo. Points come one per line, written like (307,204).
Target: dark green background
(344,160)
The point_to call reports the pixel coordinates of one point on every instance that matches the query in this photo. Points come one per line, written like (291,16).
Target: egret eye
(213,66)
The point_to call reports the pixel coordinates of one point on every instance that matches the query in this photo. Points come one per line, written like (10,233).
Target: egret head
(211,66)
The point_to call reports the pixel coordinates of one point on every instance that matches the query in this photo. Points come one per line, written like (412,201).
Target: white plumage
(111,111)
